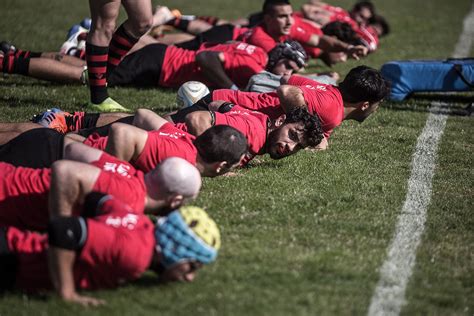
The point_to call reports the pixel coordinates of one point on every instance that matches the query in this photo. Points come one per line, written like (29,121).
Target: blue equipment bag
(428,76)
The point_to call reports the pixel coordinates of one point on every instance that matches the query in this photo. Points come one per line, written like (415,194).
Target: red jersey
(120,179)
(252,124)
(369,37)
(24,191)
(24,196)
(322,99)
(118,248)
(300,31)
(267,103)
(94,140)
(168,141)
(304,29)
(241,61)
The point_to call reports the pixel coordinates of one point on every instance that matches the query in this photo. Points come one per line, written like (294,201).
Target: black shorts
(201,105)
(36,148)
(218,35)
(8,263)
(141,68)
(104,130)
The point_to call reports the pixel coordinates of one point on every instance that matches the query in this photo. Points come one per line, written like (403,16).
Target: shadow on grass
(456,104)
(18,102)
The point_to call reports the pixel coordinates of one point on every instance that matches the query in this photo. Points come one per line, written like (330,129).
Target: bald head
(173,176)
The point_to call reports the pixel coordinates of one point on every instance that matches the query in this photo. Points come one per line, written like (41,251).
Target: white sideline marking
(389,295)
(464,44)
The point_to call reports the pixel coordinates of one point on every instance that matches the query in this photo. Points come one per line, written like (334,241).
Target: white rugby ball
(190,92)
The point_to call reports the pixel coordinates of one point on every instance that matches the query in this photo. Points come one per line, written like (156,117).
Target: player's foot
(54,118)
(108,105)
(86,23)
(7,47)
(162,15)
(76,40)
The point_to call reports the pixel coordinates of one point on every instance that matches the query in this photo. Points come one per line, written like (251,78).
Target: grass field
(306,235)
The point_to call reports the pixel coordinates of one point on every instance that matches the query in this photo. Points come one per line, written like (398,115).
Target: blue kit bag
(428,76)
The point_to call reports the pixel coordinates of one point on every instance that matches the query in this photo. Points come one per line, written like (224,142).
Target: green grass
(305,235)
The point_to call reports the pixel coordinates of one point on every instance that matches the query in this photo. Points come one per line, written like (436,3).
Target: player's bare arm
(126,142)
(291,97)
(198,122)
(70,187)
(61,263)
(211,65)
(148,120)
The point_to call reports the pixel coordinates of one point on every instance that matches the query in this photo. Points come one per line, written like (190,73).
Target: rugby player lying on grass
(356,97)
(114,246)
(280,137)
(278,25)
(214,152)
(158,65)
(29,197)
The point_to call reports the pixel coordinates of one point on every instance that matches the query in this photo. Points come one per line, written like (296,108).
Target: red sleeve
(267,103)
(243,62)
(166,142)
(299,33)
(118,248)
(296,80)
(323,100)
(250,123)
(261,39)
(96,141)
(108,162)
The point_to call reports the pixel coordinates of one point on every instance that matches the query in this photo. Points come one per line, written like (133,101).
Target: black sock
(96,58)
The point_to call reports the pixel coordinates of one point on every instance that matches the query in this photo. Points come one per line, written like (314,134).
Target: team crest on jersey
(120,168)
(129,221)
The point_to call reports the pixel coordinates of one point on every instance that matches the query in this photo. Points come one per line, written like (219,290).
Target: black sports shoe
(7,47)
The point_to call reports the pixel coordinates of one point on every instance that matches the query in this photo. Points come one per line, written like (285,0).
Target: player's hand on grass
(357,51)
(83,300)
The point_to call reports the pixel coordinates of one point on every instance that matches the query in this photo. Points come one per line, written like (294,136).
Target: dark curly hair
(313,132)
(342,31)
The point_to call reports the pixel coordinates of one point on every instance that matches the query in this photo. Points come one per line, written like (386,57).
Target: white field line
(464,44)
(389,295)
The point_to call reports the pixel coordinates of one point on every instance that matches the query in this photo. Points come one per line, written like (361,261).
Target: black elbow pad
(67,232)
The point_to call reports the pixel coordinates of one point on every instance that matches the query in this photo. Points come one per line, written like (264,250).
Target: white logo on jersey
(129,221)
(239,112)
(120,168)
(247,47)
(174,135)
(318,87)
